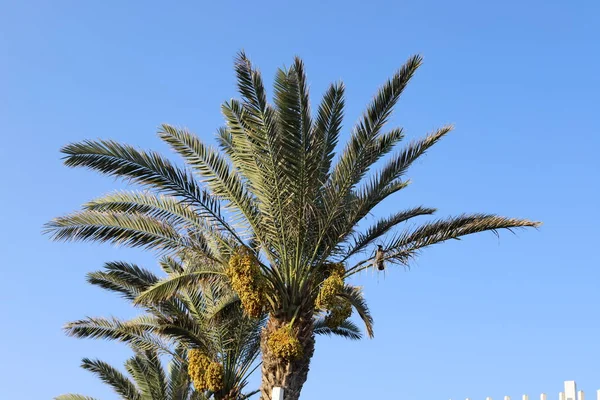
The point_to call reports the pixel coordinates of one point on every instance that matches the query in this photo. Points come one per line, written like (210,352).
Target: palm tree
(275,205)
(206,317)
(148,379)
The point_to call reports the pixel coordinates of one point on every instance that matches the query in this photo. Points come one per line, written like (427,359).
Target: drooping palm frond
(451,228)
(347,329)
(161,207)
(404,246)
(354,296)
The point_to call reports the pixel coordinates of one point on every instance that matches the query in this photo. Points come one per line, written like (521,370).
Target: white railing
(570,393)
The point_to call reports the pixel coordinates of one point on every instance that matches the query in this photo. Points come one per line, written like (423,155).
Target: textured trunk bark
(290,375)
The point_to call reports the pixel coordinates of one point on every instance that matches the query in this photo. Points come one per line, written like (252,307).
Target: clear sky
(479,317)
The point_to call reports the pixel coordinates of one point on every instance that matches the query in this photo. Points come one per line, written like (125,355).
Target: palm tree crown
(274,194)
(205,319)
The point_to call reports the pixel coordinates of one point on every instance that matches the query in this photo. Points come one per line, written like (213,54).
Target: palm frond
(346,329)
(154,369)
(405,244)
(362,149)
(354,295)
(124,278)
(112,377)
(139,332)
(170,265)
(327,127)
(147,379)
(250,84)
(188,334)
(225,141)
(387,181)
(170,286)
(224,182)
(255,156)
(383,226)
(160,207)
(131,229)
(179,384)
(148,169)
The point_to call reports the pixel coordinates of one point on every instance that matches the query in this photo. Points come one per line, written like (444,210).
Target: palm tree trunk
(290,375)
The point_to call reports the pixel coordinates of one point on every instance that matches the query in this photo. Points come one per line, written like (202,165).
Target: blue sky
(479,317)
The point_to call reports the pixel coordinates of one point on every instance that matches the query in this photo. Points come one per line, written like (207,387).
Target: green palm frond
(327,128)
(346,329)
(223,181)
(168,288)
(355,296)
(225,141)
(387,181)
(366,146)
(146,168)
(124,278)
(250,84)
(112,377)
(187,333)
(406,245)
(402,247)
(139,332)
(383,226)
(178,387)
(148,378)
(130,229)
(147,371)
(160,207)
(259,167)
(171,265)
(294,124)
(224,306)
(148,382)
